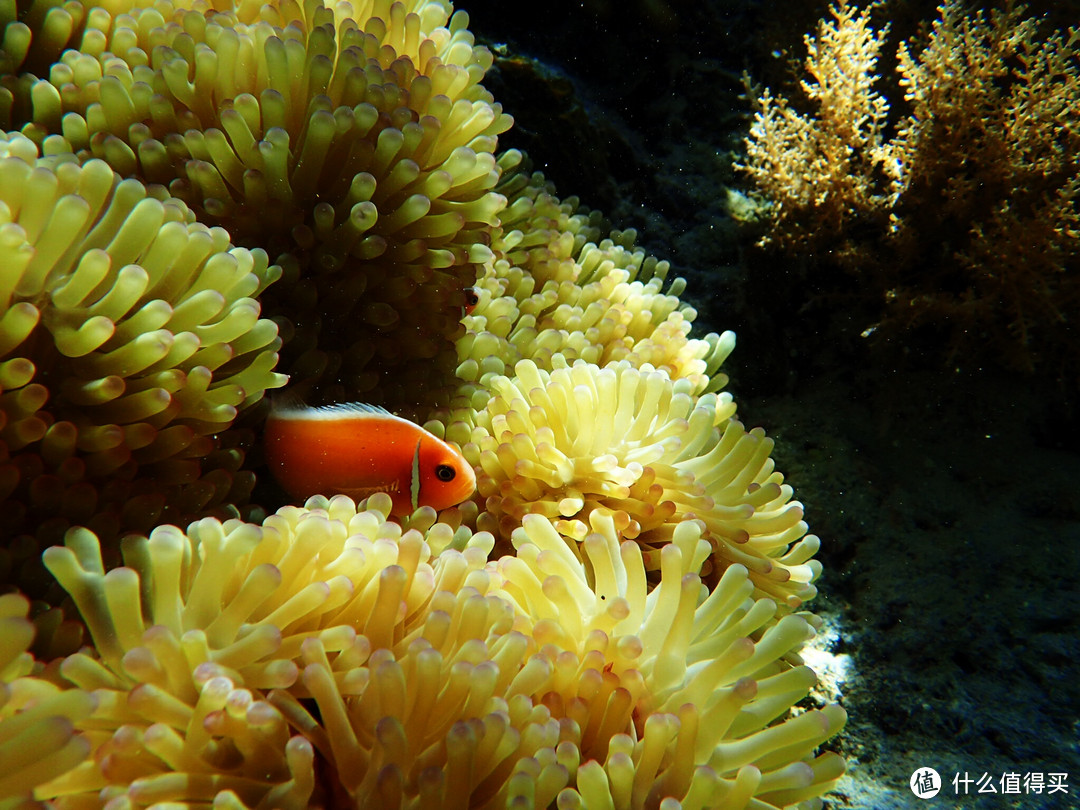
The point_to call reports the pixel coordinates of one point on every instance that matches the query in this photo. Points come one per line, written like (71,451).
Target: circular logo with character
(925,783)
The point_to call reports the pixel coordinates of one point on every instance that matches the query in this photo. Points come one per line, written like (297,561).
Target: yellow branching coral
(355,139)
(822,173)
(962,217)
(635,444)
(555,288)
(37,718)
(129,340)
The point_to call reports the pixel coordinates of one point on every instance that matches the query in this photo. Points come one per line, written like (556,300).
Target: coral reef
(955,212)
(615,619)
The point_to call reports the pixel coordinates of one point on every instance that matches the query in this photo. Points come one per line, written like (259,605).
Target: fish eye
(444,472)
(471,297)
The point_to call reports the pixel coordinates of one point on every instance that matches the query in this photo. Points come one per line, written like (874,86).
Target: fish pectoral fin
(359,493)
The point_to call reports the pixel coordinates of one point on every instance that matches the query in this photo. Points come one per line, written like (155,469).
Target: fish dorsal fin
(342,408)
(294,408)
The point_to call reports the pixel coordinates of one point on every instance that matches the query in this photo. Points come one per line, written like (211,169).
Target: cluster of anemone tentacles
(202,199)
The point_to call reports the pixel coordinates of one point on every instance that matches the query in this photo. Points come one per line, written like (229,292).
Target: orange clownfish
(472,298)
(358,450)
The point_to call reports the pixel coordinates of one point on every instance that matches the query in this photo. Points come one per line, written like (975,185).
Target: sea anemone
(677,689)
(213,646)
(203,644)
(327,657)
(129,341)
(354,142)
(555,287)
(37,718)
(635,444)
(300,571)
(34,36)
